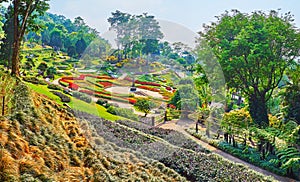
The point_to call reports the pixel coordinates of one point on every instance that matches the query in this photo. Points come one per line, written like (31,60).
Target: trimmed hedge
(124,112)
(35,80)
(54,87)
(82,97)
(62,96)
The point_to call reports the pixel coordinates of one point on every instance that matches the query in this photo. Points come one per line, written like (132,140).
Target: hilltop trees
(254,50)
(136,34)
(24,14)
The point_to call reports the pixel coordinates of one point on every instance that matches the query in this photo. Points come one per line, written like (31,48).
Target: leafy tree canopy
(254,50)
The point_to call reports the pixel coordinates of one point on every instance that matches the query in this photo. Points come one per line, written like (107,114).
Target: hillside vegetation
(40,141)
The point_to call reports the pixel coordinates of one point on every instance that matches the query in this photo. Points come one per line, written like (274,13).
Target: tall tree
(24,14)
(254,50)
(80,46)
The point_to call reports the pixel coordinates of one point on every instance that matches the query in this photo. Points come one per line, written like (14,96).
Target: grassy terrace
(76,104)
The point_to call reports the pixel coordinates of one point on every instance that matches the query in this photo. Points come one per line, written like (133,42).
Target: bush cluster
(54,87)
(124,112)
(62,96)
(247,154)
(82,97)
(35,80)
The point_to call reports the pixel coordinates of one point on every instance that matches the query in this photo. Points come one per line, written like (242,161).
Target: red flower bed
(169,88)
(166,98)
(147,83)
(106,84)
(73,86)
(142,83)
(65,81)
(171,106)
(149,88)
(73,78)
(131,101)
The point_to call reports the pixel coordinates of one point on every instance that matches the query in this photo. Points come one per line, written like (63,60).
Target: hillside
(40,141)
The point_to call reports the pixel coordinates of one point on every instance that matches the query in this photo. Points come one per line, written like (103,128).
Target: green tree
(254,50)
(292,94)
(144,105)
(7,41)
(80,46)
(56,39)
(42,67)
(24,14)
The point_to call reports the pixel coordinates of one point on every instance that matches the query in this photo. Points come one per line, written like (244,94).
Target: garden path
(179,125)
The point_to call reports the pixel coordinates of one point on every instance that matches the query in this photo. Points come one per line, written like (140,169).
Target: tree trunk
(258,110)
(15,60)
(226,137)
(16,45)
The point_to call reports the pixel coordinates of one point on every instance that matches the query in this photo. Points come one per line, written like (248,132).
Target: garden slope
(40,141)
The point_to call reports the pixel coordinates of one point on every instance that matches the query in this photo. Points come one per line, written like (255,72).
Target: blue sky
(188,13)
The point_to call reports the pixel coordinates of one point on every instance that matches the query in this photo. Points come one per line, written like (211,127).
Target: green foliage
(35,80)
(42,67)
(63,97)
(124,112)
(236,120)
(82,96)
(144,105)
(54,87)
(254,50)
(136,33)
(289,158)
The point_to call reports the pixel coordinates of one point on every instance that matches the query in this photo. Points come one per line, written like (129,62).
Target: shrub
(101,102)
(54,87)
(82,96)
(35,80)
(111,110)
(62,96)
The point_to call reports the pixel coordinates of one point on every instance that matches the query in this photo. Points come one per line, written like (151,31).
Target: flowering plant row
(143,83)
(108,95)
(149,88)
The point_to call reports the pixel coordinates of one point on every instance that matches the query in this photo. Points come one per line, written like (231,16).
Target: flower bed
(73,86)
(99,77)
(172,136)
(203,167)
(143,83)
(105,84)
(148,88)
(63,83)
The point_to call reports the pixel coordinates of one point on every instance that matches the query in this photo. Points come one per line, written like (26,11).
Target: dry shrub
(8,166)
(3,138)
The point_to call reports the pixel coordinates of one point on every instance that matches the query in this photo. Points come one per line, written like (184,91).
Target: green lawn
(76,104)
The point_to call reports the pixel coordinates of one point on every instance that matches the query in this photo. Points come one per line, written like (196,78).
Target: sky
(185,15)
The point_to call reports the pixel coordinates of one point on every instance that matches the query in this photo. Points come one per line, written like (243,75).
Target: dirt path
(181,126)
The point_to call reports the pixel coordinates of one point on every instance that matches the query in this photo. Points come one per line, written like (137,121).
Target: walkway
(181,126)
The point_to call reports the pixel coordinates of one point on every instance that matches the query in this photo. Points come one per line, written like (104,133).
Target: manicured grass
(92,108)
(76,104)
(42,89)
